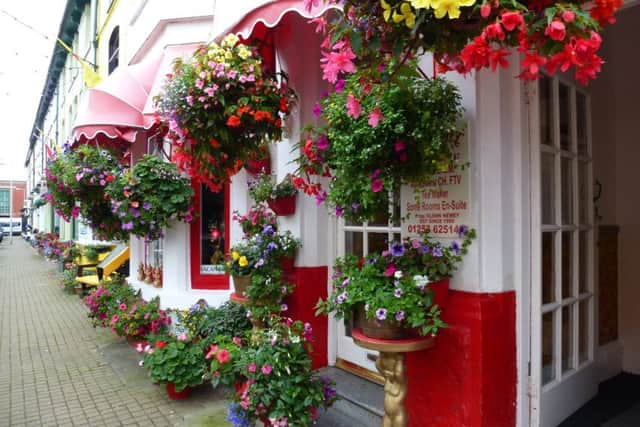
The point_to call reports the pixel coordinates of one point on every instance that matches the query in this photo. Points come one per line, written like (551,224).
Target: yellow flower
(229,40)
(387,10)
(450,7)
(243,261)
(406,14)
(243,52)
(235,255)
(421,4)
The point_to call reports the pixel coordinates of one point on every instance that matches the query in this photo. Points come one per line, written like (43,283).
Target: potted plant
(254,221)
(398,293)
(221,106)
(104,301)
(240,265)
(280,197)
(176,361)
(203,322)
(150,197)
(222,353)
(136,318)
(278,386)
(288,245)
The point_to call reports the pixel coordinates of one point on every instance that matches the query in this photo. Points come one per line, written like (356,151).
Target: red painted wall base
(469,378)
(311,285)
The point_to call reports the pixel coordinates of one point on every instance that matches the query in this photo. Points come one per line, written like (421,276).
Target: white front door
(361,240)
(563,304)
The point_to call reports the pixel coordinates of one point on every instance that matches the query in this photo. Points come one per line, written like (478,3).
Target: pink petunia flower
(336,62)
(375,117)
(377,185)
(266,369)
(353,107)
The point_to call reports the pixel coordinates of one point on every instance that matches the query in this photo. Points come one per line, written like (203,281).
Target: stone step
(361,402)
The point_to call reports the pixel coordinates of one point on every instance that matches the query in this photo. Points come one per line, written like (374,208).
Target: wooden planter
(283,206)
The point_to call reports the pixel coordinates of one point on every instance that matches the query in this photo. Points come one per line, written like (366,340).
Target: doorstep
(361,402)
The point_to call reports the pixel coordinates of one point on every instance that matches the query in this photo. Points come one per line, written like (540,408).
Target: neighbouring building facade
(546,304)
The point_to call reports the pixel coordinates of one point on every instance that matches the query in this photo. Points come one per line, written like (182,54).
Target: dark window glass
(212,232)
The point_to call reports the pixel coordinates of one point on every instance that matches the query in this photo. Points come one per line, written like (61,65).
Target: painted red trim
(205,281)
(469,378)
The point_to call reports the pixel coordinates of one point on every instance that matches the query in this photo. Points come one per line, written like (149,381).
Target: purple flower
(268,230)
(272,246)
(371,261)
(320,198)
(381,314)
(317,110)
(322,143)
(146,206)
(424,249)
(355,206)
(400,316)
(397,249)
(127,225)
(376,185)
(339,211)
(463,230)
(284,307)
(397,293)
(339,86)
(437,251)
(455,247)
(343,296)
(260,263)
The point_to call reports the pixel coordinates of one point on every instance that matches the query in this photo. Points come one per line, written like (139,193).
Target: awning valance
(266,16)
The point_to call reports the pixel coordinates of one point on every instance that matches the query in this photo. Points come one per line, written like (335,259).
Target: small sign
(212,269)
(440,206)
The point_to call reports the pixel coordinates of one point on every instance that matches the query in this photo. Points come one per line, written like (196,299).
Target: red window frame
(207,281)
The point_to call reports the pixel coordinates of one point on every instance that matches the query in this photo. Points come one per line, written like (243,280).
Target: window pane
(583,192)
(382,217)
(548,364)
(565,117)
(584,331)
(583,261)
(378,242)
(546,111)
(212,232)
(4,201)
(547,188)
(567,264)
(567,338)
(548,270)
(567,190)
(581,121)
(353,243)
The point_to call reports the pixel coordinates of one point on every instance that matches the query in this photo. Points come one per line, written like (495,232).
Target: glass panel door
(563,322)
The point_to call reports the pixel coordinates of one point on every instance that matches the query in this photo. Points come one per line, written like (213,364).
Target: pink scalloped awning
(122,105)
(270,15)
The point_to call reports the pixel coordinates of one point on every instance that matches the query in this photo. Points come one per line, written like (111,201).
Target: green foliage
(202,321)
(279,383)
(394,285)
(413,140)
(150,197)
(264,188)
(176,360)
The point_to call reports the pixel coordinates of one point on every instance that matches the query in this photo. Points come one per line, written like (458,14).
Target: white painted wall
(616,150)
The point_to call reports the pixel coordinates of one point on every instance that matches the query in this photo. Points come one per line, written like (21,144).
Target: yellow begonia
(229,40)
(387,10)
(421,4)
(450,7)
(406,14)
(243,261)
(235,255)
(244,52)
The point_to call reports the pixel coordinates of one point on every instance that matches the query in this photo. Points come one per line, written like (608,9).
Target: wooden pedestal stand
(391,365)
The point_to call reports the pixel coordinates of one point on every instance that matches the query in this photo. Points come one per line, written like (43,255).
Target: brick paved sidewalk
(57,370)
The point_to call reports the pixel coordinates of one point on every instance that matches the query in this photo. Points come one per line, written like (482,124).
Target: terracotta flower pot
(240,283)
(383,330)
(283,206)
(254,167)
(177,395)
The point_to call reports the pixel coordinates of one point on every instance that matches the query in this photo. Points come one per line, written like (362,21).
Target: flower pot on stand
(241,283)
(283,206)
(382,329)
(254,167)
(177,395)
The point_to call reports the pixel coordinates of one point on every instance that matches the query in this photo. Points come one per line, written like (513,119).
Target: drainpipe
(95,34)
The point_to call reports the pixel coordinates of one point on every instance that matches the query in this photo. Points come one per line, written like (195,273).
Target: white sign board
(440,206)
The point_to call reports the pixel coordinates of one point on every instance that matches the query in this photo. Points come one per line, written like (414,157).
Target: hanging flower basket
(283,206)
(221,107)
(177,395)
